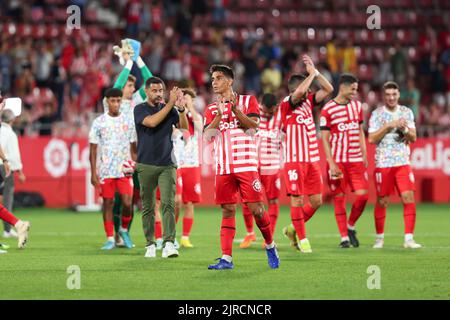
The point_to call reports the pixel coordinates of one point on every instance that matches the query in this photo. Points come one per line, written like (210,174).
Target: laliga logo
(301,120)
(432,156)
(347,126)
(56,158)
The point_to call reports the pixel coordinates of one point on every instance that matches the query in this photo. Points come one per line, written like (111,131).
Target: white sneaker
(378,243)
(13,233)
(6,235)
(151,251)
(119,241)
(169,251)
(22,231)
(411,244)
(3,251)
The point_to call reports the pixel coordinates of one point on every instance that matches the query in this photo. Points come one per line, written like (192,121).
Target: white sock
(408,237)
(345,239)
(270,246)
(184,238)
(349,227)
(227,258)
(122,229)
(110,239)
(380,236)
(17,223)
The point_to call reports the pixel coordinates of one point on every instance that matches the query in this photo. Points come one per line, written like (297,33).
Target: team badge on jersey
(256,185)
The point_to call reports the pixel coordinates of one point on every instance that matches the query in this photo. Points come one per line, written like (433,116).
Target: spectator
(399,65)
(46,121)
(410,97)
(271,78)
(383,73)
(5,68)
(25,83)
(333,60)
(348,56)
(133,15)
(43,64)
(252,73)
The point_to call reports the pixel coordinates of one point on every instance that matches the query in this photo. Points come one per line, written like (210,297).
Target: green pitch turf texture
(59,239)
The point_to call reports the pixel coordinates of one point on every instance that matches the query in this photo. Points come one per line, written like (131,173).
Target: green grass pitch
(59,239)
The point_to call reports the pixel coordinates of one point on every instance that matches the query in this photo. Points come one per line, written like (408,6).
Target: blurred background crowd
(61,73)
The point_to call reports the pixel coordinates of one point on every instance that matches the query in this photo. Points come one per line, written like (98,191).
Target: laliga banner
(59,170)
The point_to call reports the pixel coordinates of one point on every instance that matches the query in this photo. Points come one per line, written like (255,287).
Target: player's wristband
(181,110)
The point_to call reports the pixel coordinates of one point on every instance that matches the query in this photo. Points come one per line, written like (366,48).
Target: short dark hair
(295,80)
(131,78)
(226,70)
(390,85)
(113,93)
(189,91)
(269,100)
(347,79)
(154,80)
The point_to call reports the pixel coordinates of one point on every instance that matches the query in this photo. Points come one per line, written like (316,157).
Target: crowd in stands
(61,73)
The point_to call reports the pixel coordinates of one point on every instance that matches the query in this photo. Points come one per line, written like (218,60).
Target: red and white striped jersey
(301,143)
(268,141)
(234,149)
(343,121)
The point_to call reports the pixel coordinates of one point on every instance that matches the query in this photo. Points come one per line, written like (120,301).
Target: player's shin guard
(298,221)
(158,230)
(409,216)
(109,228)
(357,209)
(308,212)
(265,227)
(248,218)
(380,218)
(187,226)
(274,211)
(7,216)
(227,233)
(341,215)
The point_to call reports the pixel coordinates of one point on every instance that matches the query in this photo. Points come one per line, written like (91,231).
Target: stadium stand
(44,62)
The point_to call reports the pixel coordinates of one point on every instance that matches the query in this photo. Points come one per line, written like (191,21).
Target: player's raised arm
(122,79)
(146,74)
(326,88)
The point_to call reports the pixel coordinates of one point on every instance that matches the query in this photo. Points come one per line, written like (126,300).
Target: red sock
(298,221)
(126,221)
(274,211)
(109,228)
(357,209)
(380,218)
(248,218)
(409,216)
(341,215)
(265,227)
(7,216)
(227,233)
(308,212)
(187,225)
(158,230)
